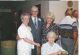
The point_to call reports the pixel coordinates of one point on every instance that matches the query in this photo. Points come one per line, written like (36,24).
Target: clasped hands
(59,53)
(37,44)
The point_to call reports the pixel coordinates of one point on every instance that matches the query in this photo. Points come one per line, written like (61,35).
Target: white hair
(24,14)
(34,7)
(52,33)
(50,14)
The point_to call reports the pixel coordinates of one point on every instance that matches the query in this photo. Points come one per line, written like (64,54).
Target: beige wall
(75,5)
(44,8)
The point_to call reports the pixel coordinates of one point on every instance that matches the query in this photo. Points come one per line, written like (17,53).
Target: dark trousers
(34,51)
(68,45)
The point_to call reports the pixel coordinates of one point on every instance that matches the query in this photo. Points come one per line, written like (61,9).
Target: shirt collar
(52,44)
(34,18)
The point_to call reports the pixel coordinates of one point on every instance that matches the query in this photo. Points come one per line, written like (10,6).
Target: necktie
(35,23)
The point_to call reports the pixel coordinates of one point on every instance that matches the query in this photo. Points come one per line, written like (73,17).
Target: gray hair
(52,33)
(50,14)
(34,7)
(24,14)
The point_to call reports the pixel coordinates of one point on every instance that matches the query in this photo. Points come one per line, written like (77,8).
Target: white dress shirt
(33,19)
(47,49)
(23,47)
(68,20)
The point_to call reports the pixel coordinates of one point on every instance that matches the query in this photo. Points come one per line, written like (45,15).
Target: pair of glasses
(34,11)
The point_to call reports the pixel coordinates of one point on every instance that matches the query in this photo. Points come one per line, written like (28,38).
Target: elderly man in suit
(36,26)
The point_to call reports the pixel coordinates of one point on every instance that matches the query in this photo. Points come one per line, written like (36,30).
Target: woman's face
(70,12)
(51,39)
(26,20)
(49,20)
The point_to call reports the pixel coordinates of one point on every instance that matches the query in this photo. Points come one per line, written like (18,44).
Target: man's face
(34,12)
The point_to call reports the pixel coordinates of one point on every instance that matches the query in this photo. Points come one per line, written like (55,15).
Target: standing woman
(25,43)
(49,26)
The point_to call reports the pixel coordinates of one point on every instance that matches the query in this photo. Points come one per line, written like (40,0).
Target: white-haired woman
(52,48)
(48,26)
(25,41)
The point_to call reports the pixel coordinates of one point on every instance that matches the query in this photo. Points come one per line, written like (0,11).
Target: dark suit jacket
(36,32)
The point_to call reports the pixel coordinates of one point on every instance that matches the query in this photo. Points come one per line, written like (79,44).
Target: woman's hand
(56,53)
(64,52)
(59,53)
(18,38)
(37,44)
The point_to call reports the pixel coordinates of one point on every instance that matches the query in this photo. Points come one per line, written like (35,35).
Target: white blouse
(47,49)
(25,32)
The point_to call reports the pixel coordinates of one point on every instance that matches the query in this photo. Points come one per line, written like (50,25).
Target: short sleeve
(21,33)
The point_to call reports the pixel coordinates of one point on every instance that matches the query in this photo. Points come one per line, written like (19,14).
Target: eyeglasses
(34,11)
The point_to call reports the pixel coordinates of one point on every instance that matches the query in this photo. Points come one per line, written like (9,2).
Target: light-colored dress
(24,48)
(47,49)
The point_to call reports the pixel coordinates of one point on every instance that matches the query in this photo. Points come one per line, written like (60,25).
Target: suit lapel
(32,23)
(38,23)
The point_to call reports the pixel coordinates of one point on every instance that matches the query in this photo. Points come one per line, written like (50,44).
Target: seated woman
(26,43)
(52,48)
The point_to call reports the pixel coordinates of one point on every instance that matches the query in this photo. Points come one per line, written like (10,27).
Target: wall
(75,5)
